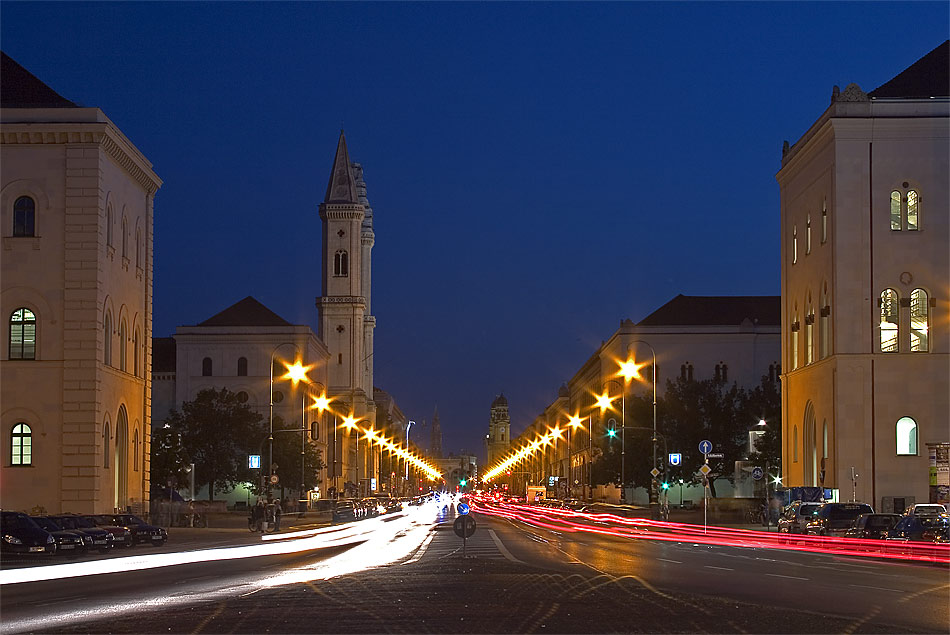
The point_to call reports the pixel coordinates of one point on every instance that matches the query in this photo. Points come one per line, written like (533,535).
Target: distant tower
(498,439)
(435,438)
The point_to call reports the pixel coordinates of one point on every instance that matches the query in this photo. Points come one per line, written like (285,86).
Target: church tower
(345,325)
(435,436)
(498,439)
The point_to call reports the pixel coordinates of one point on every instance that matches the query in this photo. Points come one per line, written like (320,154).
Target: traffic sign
(464,526)
(705,470)
(273,479)
(655,472)
(254,461)
(705,446)
(758,473)
(463,509)
(676,458)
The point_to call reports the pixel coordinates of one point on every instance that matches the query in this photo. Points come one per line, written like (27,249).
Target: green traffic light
(666,486)
(611,433)
(463,482)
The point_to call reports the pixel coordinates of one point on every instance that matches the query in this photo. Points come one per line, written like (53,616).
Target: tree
(217,433)
(287,456)
(168,460)
(765,403)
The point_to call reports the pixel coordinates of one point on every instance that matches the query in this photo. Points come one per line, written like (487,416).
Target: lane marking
(502,548)
(790,577)
(668,560)
(722,568)
(879,588)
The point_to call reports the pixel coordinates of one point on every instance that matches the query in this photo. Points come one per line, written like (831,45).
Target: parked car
(346,509)
(101,539)
(874,526)
(20,535)
(576,505)
(388,503)
(121,536)
(925,509)
(921,528)
(67,542)
(834,519)
(142,532)
(372,507)
(796,517)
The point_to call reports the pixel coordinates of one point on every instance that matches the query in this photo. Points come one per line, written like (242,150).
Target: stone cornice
(341,211)
(342,299)
(102,134)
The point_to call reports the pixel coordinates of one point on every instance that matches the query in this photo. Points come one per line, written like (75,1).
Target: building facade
(498,439)
(865,313)
(76,207)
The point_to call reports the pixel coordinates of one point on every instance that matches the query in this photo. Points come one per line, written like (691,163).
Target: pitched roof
(694,310)
(164,354)
(19,88)
(342,185)
(927,77)
(247,312)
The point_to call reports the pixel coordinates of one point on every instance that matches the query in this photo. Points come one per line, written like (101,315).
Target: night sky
(538,172)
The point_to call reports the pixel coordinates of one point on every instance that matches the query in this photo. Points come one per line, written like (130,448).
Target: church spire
(342,185)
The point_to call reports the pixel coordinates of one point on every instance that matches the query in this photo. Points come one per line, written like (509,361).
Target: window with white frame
(906,436)
(22,335)
(21,445)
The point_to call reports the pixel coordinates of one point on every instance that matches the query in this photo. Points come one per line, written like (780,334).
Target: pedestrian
(258,515)
(277,513)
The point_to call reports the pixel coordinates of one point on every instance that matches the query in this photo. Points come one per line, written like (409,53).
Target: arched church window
(341,264)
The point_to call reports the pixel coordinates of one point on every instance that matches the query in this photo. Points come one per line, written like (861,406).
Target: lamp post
(573,424)
(271,412)
(408,427)
(635,373)
(350,423)
(604,402)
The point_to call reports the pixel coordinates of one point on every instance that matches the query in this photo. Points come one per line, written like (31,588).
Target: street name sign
(714,455)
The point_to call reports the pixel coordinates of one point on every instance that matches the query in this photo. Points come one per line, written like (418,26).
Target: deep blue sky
(538,172)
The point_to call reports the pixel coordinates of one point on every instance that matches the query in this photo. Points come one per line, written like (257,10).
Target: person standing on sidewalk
(277,513)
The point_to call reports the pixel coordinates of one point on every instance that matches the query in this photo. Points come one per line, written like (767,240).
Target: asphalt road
(402,576)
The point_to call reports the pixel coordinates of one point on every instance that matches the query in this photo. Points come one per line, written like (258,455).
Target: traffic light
(612,432)
(666,486)
(462,482)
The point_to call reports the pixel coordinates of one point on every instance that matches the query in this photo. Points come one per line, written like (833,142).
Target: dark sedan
(121,536)
(21,535)
(101,539)
(934,528)
(346,510)
(67,542)
(873,526)
(834,519)
(142,532)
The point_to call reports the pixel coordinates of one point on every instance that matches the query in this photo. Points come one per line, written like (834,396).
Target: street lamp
(634,371)
(270,438)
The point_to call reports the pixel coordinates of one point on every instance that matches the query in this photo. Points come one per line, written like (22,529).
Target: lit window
(794,244)
(890,331)
(824,327)
(22,335)
(907,436)
(895,211)
(912,206)
(809,333)
(242,367)
(206,367)
(24,217)
(794,351)
(21,445)
(340,264)
(824,220)
(808,234)
(919,321)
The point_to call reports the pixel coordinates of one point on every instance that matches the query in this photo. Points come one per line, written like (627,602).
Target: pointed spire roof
(247,312)
(342,185)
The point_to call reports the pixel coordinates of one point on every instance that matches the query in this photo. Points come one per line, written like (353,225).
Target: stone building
(864,227)
(76,209)
(498,439)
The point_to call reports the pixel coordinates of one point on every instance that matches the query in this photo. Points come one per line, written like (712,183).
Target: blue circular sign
(705,446)
(758,473)
(463,509)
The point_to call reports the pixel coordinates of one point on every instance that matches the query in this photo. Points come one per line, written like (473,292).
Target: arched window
(123,355)
(21,445)
(22,334)
(106,439)
(138,248)
(895,211)
(824,328)
(807,234)
(809,331)
(24,217)
(242,367)
(794,343)
(913,203)
(919,321)
(135,450)
(794,244)
(890,331)
(907,436)
(110,221)
(824,220)
(135,352)
(107,340)
(824,439)
(206,367)
(125,237)
(341,263)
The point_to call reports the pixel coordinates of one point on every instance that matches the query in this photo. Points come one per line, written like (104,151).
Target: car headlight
(12,540)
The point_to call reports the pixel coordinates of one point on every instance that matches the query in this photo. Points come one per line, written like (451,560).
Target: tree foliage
(287,456)
(216,433)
